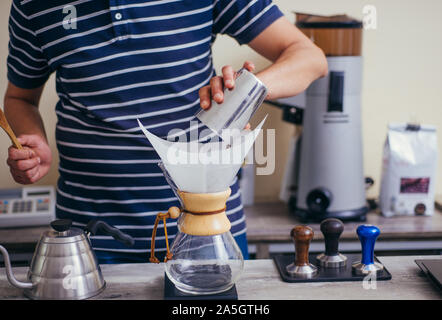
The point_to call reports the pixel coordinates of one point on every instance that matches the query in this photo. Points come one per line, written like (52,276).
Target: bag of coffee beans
(409,170)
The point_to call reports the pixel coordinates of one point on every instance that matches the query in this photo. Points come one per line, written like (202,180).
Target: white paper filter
(203,168)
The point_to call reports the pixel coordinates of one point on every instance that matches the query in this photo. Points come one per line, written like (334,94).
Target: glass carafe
(204,257)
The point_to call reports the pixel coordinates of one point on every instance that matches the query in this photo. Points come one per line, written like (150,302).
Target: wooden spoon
(5,125)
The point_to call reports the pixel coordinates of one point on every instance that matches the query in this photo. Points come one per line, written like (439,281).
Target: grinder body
(331,178)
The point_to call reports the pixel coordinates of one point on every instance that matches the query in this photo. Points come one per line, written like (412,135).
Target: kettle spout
(10,275)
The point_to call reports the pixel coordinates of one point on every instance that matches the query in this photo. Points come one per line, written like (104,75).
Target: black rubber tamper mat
(433,269)
(326,274)
(172,293)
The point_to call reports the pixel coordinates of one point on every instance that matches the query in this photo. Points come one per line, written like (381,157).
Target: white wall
(402,68)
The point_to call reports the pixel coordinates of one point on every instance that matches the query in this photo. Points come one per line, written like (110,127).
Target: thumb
(29,140)
(249,66)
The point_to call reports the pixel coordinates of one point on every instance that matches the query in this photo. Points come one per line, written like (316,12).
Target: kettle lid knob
(61,225)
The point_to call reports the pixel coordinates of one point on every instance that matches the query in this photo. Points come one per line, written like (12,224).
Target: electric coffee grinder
(328,170)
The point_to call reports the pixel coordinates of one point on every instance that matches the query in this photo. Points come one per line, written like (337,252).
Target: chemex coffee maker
(204,259)
(327,178)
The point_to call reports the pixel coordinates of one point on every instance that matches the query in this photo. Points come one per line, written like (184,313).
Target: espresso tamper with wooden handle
(331,229)
(367,235)
(302,235)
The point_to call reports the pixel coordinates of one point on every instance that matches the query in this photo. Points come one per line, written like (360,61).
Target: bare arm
(21,109)
(297,63)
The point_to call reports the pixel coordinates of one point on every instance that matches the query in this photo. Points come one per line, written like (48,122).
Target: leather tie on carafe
(173,213)
(206,213)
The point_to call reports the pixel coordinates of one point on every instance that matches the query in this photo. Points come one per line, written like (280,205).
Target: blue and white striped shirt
(116,61)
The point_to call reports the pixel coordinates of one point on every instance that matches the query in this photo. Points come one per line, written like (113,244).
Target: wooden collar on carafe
(204,213)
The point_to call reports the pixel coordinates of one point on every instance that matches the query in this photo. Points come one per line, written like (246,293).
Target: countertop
(259,281)
(271,222)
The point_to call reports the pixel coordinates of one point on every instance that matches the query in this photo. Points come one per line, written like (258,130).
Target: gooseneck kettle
(64,265)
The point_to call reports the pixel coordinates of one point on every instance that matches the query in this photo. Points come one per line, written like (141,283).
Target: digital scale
(27,206)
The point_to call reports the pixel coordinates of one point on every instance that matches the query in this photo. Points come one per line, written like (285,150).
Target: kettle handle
(173,213)
(95,225)
(10,275)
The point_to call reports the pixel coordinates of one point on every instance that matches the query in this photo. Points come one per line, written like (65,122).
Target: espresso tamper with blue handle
(332,229)
(367,235)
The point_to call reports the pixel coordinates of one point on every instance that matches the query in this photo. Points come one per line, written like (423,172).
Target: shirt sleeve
(243,19)
(27,66)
